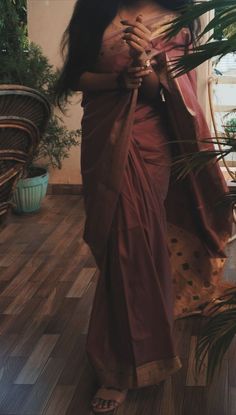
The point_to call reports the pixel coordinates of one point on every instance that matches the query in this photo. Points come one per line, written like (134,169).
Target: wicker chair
(24,114)
(22,101)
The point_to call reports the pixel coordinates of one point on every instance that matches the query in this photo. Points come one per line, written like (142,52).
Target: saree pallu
(158,243)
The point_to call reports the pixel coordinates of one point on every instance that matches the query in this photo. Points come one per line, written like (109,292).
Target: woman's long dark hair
(83,36)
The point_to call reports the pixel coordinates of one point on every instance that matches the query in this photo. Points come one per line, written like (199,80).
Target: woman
(158,243)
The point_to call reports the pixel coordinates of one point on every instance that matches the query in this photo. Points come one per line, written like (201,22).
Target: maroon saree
(158,243)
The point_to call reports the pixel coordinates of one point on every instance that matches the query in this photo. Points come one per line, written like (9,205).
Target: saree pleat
(135,292)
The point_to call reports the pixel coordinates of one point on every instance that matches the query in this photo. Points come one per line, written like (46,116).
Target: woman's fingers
(134,83)
(144,72)
(138,25)
(135,46)
(134,69)
(139,71)
(136,39)
(138,32)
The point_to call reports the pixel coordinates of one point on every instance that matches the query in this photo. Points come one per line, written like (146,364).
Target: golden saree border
(156,371)
(130,377)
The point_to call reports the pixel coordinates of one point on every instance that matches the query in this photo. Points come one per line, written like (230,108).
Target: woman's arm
(150,87)
(150,81)
(127,80)
(90,81)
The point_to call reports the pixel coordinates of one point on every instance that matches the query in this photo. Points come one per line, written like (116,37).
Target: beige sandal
(111,394)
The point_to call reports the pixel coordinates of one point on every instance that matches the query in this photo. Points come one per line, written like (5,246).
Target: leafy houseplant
(218,332)
(223,21)
(22,62)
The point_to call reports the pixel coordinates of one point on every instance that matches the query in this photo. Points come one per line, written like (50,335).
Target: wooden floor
(47,283)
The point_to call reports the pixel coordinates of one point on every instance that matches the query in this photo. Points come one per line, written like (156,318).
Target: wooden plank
(17,324)
(73,265)
(22,277)
(54,300)
(71,236)
(37,360)
(195,400)
(17,305)
(218,392)
(60,400)
(8,233)
(232,363)
(10,273)
(84,392)
(167,403)
(8,372)
(77,322)
(6,259)
(142,401)
(232,400)
(4,303)
(75,362)
(82,283)
(28,339)
(62,319)
(39,395)
(14,398)
(178,385)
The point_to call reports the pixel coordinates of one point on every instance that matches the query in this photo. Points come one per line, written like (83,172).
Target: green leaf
(225,17)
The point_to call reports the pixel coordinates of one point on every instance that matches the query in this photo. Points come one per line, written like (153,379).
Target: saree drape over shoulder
(158,243)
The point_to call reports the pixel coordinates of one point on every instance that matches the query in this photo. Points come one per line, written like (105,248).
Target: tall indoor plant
(23,63)
(220,329)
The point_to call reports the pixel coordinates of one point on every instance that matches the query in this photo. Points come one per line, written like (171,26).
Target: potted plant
(219,330)
(23,63)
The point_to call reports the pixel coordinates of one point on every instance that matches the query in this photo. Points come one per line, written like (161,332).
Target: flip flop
(105,393)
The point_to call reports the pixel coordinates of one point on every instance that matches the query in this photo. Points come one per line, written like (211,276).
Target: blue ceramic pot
(29,192)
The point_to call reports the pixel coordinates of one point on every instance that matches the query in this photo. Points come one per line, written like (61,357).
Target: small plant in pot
(23,63)
(53,148)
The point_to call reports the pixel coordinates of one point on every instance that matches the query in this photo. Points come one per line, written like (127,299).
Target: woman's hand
(137,35)
(132,77)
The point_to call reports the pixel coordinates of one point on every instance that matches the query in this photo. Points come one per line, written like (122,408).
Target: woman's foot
(108,398)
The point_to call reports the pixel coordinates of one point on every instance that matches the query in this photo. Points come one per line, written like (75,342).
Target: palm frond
(216,337)
(195,161)
(225,17)
(191,12)
(200,54)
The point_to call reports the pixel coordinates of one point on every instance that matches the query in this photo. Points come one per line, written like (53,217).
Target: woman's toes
(100,404)
(105,404)
(95,401)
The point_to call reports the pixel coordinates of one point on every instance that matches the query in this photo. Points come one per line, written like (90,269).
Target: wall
(47,19)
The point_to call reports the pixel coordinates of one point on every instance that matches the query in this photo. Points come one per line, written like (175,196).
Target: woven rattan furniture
(24,114)
(22,101)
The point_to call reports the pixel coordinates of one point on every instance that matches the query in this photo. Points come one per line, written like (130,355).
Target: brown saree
(158,243)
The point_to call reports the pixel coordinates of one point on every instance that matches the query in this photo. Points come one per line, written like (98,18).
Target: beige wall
(47,19)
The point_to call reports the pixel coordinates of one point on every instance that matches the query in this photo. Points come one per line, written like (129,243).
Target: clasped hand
(133,76)
(138,37)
